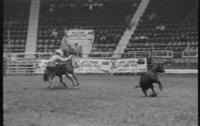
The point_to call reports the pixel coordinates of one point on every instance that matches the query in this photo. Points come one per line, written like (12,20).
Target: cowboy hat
(59,51)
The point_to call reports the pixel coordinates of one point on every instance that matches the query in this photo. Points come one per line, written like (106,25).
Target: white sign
(129,65)
(84,38)
(104,65)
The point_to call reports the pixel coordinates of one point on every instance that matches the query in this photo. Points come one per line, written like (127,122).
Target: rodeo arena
(100,63)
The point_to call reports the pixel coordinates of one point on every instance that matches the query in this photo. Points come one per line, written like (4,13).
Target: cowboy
(57,58)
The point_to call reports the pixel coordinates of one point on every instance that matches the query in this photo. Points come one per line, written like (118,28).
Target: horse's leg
(50,79)
(74,76)
(61,81)
(71,79)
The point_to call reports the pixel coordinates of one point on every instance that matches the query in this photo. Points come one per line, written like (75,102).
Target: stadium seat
(16,24)
(102,21)
(177,20)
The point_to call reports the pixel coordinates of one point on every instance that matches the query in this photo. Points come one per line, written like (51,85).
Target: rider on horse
(57,58)
(58,66)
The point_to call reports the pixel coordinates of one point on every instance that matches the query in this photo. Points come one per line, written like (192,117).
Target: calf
(147,79)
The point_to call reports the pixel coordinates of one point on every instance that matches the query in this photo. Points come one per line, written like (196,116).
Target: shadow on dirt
(159,96)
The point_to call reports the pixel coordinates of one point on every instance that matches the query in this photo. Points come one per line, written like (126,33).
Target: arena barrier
(19,64)
(94,65)
(82,65)
(181,71)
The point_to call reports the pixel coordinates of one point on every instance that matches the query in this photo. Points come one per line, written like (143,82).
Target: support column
(128,33)
(31,41)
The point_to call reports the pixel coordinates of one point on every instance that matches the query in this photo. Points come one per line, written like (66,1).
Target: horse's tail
(138,86)
(45,76)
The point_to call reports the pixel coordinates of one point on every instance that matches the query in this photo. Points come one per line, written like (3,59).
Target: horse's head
(70,51)
(158,69)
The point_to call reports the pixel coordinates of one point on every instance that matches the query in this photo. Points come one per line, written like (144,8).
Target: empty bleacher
(166,25)
(15,24)
(106,18)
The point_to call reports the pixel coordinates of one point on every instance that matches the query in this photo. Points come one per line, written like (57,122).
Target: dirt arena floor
(100,101)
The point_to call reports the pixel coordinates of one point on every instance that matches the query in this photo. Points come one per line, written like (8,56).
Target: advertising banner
(103,65)
(91,66)
(83,38)
(128,65)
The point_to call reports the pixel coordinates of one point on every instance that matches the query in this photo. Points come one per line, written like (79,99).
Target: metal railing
(132,54)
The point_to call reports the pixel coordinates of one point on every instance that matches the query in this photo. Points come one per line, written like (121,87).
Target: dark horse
(147,79)
(66,69)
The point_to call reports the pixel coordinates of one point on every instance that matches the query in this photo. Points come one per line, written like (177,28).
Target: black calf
(148,78)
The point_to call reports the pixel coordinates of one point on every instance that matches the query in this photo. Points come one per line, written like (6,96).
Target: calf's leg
(159,84)
(144,91)
(153,91)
